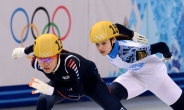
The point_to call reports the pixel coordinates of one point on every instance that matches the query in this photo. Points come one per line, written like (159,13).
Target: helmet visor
(46,60)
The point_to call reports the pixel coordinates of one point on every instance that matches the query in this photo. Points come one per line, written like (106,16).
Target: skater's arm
(161,47)
(28,50)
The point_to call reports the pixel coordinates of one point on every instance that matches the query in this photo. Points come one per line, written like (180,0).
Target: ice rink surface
(138,103)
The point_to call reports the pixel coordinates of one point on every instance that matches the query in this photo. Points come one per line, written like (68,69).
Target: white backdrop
(83,13)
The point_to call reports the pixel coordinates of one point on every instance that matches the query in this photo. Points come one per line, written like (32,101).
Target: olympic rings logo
(32,26)
(100,37)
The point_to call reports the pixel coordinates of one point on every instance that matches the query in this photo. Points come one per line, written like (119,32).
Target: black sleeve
(29,49)
(34,62)
(161,47)
(124,31)
(76,90)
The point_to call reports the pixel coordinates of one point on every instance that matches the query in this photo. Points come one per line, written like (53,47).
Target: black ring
(40,8)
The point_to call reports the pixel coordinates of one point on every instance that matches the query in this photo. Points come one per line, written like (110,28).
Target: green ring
(52,24)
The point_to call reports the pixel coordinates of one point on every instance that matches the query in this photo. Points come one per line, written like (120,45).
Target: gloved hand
(140,38)
(18,52)
(41,87)
(166,59)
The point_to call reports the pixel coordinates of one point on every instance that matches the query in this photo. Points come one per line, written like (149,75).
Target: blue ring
(19,9)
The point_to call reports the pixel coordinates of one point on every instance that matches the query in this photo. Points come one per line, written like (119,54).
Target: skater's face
(105,47)
(48,64)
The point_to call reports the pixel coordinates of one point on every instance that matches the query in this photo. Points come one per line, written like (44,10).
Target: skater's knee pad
(119,90)
(179,104)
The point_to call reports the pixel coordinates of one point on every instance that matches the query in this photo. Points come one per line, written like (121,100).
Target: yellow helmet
(102,31)
(47,45)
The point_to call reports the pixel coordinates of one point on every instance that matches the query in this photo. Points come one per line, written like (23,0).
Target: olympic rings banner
(22,21)
(33,26)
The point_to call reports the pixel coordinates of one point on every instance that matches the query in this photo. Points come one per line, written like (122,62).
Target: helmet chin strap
(112,45)
(58,63)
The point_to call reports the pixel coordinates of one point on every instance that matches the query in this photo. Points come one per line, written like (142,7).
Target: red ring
(62,7)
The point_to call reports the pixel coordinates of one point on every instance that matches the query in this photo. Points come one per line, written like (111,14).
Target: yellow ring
(36,29)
